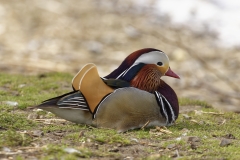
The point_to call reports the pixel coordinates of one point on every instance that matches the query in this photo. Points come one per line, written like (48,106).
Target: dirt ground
(44,36)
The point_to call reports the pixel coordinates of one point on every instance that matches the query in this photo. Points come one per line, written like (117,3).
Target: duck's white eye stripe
(153,58)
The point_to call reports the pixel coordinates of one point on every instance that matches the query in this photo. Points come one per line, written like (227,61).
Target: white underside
(73,115)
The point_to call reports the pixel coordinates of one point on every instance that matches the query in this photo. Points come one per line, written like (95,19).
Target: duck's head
(144,68)
(142,57)
(153,57)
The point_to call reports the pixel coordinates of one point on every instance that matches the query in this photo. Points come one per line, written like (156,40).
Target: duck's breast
(128,108)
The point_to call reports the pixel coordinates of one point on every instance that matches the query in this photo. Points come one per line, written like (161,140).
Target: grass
(17,128)
(187,101)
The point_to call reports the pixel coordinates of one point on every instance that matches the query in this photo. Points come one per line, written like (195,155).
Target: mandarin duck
(131,96)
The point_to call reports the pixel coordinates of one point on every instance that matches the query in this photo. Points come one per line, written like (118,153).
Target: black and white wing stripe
(73,101)
(165,108)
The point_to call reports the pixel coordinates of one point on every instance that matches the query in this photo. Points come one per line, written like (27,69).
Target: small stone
(176,154)
(155,156)
(178,138)
(82,133)
(229,136)
(37,133)
(152,145)
(33,116)
(37,110)
(225,142)
(58,133)
(15,93)
(128,158)
(42,117)
(186,116)
(193,145)
(19,151)
(184,134)
(185,130)
(114,149)
(11,103)
(21,85)
(119,145)
(194,121)
(198,112)
(191,139)
(194,139)
(5,149)
(134,140)
(171,146)
(96,146)
(72,150)
(88,140)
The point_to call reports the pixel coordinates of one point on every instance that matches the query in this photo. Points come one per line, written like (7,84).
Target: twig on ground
(223,122)
(163,130)
(145,125)
(214,113)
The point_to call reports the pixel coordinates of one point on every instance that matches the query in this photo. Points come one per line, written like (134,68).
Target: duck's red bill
(170,73)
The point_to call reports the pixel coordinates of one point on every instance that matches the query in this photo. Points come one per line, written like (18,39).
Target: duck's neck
(143,76)
(148,78)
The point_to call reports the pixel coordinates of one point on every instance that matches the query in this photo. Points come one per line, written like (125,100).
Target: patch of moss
(54,151)
(187,101)
(109,136)
(68,126)
(141,134)
(14,120)
(13,138)
(30,94)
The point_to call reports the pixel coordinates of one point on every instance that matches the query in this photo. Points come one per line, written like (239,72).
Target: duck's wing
(71,106)
(90,84)
(71,100)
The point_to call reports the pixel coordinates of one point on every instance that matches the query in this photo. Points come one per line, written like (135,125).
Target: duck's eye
(159,63)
